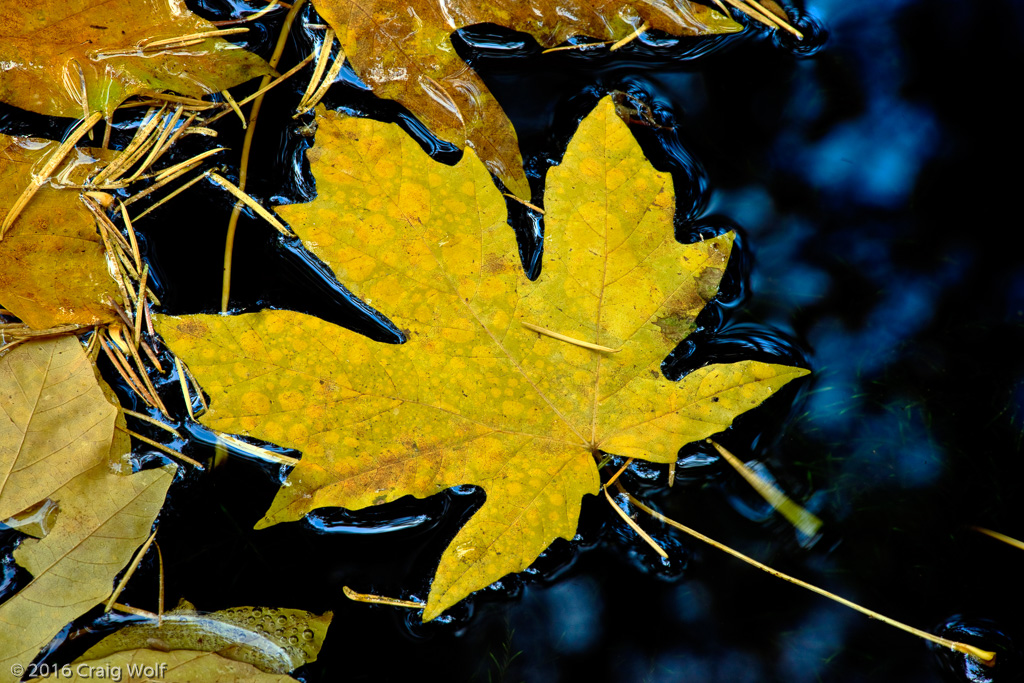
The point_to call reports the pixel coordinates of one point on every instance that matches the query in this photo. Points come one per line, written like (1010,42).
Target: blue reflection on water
(875,157)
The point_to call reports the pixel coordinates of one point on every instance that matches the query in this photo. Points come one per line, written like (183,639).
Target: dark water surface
(875,189)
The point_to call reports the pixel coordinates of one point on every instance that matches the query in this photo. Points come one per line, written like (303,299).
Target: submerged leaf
(58,443)
(271,639)
(53,268)
(403,51)
(179,666)
(51,49)
(474,396)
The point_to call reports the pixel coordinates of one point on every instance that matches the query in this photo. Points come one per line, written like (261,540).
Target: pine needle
(570,340)
(984,656)
(634,526)
(129,572)
(243,172)
(256,451)
(630,38)
(152,421)
(251,203)
(1009,540)
(378,600)
(184,388)
(166,449)
(806,522)
(39,179)
(524,202)
(325,85)
(578,46)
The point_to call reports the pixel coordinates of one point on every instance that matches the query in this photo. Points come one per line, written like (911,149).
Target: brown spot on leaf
(193,328)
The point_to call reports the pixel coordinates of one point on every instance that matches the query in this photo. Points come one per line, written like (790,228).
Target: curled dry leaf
(52,268)
(403,51)
(270,639)
(178,666)
(53,50)
(474,396)
(58,443)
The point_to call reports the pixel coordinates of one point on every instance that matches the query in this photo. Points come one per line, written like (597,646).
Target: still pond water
(868,174)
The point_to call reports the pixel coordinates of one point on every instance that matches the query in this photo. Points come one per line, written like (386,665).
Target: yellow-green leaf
(51,49)
(403,52)
(178,666)
(474,396)
(271,639)
(53,269)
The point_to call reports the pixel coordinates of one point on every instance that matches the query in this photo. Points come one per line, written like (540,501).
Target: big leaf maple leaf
(474,396)
(403,51)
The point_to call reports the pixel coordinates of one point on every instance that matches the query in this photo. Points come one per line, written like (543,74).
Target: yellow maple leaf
(69,57)
(475,396)
(403,51)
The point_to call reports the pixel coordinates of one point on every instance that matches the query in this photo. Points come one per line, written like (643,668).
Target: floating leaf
(54,271)
(179,666)
(50,50)
(271,639)
(474,396)
(403,51)
(56,422)
(58,443)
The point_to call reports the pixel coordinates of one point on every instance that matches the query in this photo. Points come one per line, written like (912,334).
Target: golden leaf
(271,639)
(403,52)
(52,50)
(54,271)
(58,442)
(474,396)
